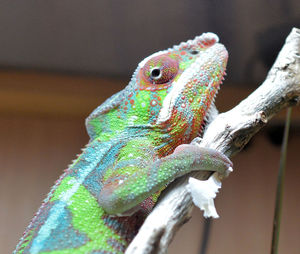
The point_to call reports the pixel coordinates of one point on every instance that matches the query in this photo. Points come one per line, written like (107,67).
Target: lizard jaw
(202,70)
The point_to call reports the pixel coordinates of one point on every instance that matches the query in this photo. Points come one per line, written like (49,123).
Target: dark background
(110,37)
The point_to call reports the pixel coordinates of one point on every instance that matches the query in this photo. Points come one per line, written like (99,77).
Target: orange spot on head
(153,103)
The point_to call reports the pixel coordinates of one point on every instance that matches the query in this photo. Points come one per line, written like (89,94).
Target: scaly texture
(101,200)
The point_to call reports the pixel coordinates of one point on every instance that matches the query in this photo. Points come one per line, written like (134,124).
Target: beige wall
(35,149)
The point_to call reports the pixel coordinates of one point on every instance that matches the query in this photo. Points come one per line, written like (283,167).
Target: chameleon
(139,143)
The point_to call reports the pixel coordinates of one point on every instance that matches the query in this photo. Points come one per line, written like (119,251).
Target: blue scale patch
(93,181)
(64,236)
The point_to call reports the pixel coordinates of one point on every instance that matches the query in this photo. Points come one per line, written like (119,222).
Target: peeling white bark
(227,133)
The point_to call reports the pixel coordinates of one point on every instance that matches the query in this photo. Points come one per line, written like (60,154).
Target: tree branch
(228,133)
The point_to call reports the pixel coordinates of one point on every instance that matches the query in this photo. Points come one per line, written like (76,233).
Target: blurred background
(61,59)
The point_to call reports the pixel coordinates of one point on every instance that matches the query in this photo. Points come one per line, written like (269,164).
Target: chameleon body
(138,144)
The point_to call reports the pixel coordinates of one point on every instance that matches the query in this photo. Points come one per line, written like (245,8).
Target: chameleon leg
(117,197)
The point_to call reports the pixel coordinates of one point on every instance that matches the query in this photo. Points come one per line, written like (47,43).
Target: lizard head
(169,95)
(177,86)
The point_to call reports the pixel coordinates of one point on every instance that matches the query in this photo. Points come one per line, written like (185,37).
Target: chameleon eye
(160,69)
(155,73)
(194,52)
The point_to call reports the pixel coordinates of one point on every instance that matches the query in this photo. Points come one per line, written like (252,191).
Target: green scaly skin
(101,200)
